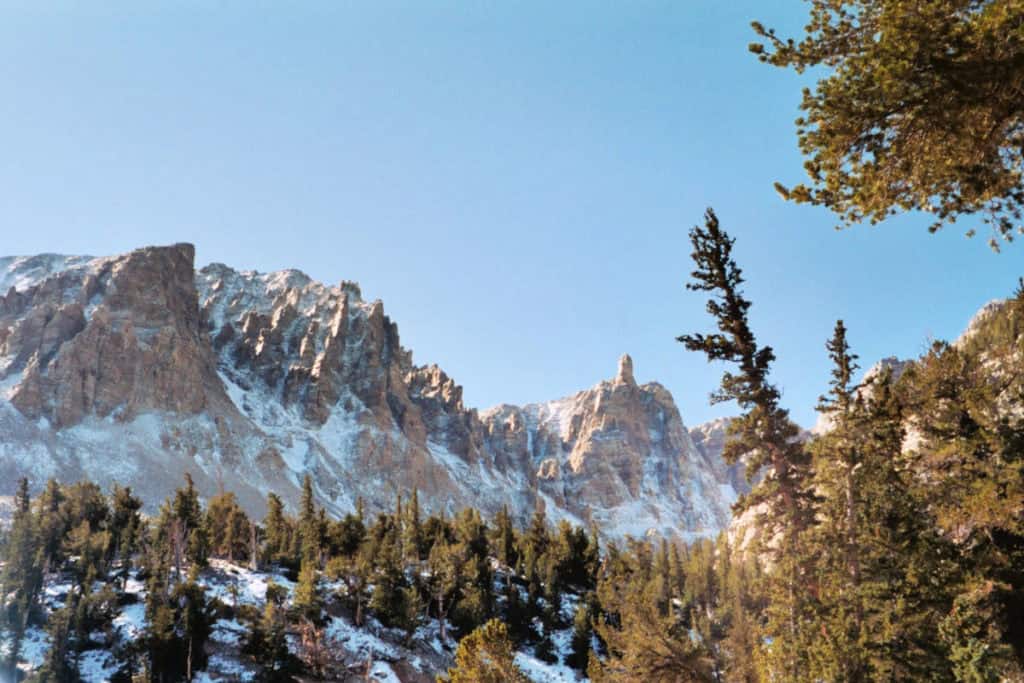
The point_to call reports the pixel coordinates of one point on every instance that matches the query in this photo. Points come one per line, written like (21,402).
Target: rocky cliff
(136,368)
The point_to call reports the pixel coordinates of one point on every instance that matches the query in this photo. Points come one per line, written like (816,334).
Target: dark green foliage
(642,639)
(582,636)
(268,646)
(308,599)
(345,536)
(278,531)
(309,529)
(763,436)
(25,562)
(504,539)
(228,528)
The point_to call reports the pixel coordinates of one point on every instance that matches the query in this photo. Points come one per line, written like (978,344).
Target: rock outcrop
(136,368)
(140,348)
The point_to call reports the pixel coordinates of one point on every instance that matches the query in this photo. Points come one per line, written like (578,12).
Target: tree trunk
(440,619)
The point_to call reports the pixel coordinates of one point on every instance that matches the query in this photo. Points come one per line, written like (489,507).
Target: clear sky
(515,180)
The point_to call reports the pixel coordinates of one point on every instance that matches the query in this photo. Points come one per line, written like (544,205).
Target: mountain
(137,368)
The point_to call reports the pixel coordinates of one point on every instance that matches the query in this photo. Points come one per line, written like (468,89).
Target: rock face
(709,439)
(137,368)
(121,336)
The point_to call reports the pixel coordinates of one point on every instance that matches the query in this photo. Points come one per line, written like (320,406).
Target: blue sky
(514,180)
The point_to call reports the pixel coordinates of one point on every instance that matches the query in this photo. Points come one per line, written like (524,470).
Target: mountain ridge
(138,367)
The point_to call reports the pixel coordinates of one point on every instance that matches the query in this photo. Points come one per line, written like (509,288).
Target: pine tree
(308,599)
(444,583)
(412,530)
(59,666)
(53,523)
(267,643)
(346,536)
(22,571)
(838,468)
(475,603)
(582,637)
(389,571)
(971,456)
(194,619)
(126,528)
(917,107)
(504,540)
(762,436)
(309,525)
(485,656)
(276,524)
(355,571)
(412,611)
(228,527)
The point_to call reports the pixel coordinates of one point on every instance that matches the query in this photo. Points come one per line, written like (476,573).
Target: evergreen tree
(412,611)
(59,665)
(389,572)
(278,542)
(308,600)
(444,583)
(917,107)
(412,530)
(267,643)
(485,656)
(971,455)
(126,528)
(228,527)
(194,619)
(763,436)
(309,524)
(355,571)
(504,538)
(582,637)
(475,603)
(346,536)
(22,571)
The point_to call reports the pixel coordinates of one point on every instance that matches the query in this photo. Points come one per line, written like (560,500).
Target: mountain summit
(137,368)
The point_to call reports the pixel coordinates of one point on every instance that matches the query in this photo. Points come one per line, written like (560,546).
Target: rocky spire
(625,375)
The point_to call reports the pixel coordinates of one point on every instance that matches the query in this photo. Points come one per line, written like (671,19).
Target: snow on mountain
(137,368)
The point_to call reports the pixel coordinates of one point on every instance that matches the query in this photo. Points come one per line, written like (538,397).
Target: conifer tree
(309,524)
(582,636)
(475,603)
(444,583)
(412,529)
(22,571)
(347,535)
(917,107)
(59,666)
(972,451)
(308,599)
(126,528)
(838,468)
(267,643)
(504,541)
(763,436)
(355,571)
(389,572)
(53,523)
(277,530)
(485,656)
(194,621)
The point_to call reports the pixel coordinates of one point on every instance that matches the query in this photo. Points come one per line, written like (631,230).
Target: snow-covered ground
(236,585)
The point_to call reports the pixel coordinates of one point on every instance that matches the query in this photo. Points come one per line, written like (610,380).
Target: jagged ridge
(136,368)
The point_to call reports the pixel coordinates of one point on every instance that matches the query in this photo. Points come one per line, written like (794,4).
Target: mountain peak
(625,374)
